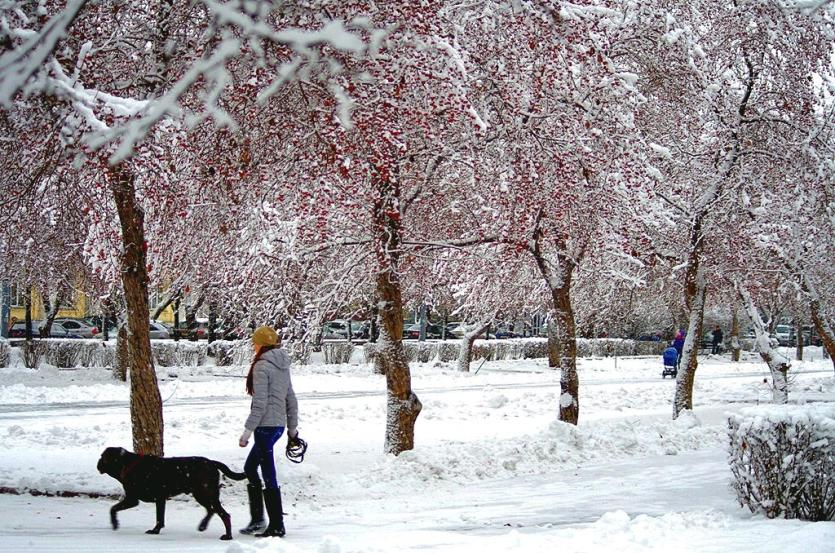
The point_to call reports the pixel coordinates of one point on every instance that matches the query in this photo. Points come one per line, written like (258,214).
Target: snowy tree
(556,111)
(729,95)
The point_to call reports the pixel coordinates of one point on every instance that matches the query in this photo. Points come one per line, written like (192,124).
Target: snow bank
(783,458)
(560,446)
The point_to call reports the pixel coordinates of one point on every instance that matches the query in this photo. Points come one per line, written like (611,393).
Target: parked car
(433,331)
(72,328)
(783,333)
(506,333)
(199,330)
(97,321)
(338,329)
(159,331)
(18,329)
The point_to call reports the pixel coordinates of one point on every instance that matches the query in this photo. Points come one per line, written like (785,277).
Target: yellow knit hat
(264,336)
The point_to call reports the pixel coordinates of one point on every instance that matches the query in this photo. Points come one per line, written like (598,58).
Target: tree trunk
(562,330)
(465,353)
(145,401)
(403,406)
(51,309)
(27,314)
(824,330)
(687,373)
(778,364)
(736,346)
(177,328)
(120,364)
(212,321)
(373,330)
(695,289)
(566,353)
(799,338)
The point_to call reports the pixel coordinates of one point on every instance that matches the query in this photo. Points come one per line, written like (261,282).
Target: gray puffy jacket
(273,400)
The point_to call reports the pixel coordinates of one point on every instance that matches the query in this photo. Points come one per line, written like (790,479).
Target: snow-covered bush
(783,458)
(223,351)
(62,353)
(4,353)
(32,351)
(447,351)
(179,354)
(337,352)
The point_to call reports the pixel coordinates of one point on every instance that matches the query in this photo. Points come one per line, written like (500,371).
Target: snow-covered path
(659,503)
(492,469)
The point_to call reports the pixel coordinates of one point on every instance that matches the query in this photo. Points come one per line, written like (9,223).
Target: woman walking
(273,409)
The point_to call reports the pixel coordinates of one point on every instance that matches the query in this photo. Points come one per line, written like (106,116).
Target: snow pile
(558,447)
(783,458)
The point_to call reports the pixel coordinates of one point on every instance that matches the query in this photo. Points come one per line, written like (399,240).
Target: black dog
(155,479)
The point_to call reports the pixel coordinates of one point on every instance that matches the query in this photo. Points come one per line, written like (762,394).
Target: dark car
(506,333)
(433,332)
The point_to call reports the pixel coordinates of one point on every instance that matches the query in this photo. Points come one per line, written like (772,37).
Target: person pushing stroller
(670,357)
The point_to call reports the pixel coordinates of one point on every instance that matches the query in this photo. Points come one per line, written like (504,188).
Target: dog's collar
(130,467)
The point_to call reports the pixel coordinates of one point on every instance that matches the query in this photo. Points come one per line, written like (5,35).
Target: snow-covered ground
(492,471)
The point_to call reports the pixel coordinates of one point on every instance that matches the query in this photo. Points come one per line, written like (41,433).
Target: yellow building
(77,306)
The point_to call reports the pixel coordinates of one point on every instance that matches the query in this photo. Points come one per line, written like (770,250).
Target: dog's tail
(229,473)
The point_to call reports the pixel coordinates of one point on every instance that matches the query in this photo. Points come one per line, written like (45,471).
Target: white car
(783,333)
(159,331)
(72,328)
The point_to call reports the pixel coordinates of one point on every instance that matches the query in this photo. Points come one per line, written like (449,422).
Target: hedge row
(68,353)
(4,352)
(95,353)
(783,458)
(529,348)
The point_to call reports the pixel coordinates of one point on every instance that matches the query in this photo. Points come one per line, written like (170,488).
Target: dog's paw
(115,524)
(154,530)
(226,537)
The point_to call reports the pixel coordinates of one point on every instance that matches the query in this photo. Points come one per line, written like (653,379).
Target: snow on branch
(29,65)
(18,65)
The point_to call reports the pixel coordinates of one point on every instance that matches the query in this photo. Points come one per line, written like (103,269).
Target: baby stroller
(670,362)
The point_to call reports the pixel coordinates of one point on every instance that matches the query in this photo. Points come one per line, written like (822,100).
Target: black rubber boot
(272,499)
(256,510)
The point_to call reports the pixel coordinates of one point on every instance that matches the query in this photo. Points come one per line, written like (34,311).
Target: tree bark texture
(562,331)
(403,406)
(778,364)
(799,338)
(145,401)
(120,365)
(465,351)
(51,310)
(736,346)
(695,290)
(824,330)
(567,353)
(687,373)
(27,314)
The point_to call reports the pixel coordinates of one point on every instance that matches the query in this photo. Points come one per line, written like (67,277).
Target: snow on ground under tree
(492,470)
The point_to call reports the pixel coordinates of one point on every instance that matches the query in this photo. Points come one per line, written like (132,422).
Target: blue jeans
(261,455)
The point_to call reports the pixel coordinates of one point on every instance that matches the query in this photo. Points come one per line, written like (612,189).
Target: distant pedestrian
(717,340)
(678,343)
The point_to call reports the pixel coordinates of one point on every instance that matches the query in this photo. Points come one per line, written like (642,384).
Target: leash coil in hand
(296,448)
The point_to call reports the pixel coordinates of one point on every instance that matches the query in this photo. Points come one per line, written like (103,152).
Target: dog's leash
(296,448)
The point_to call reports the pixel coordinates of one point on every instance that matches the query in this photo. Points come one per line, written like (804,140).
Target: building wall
(77,307)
